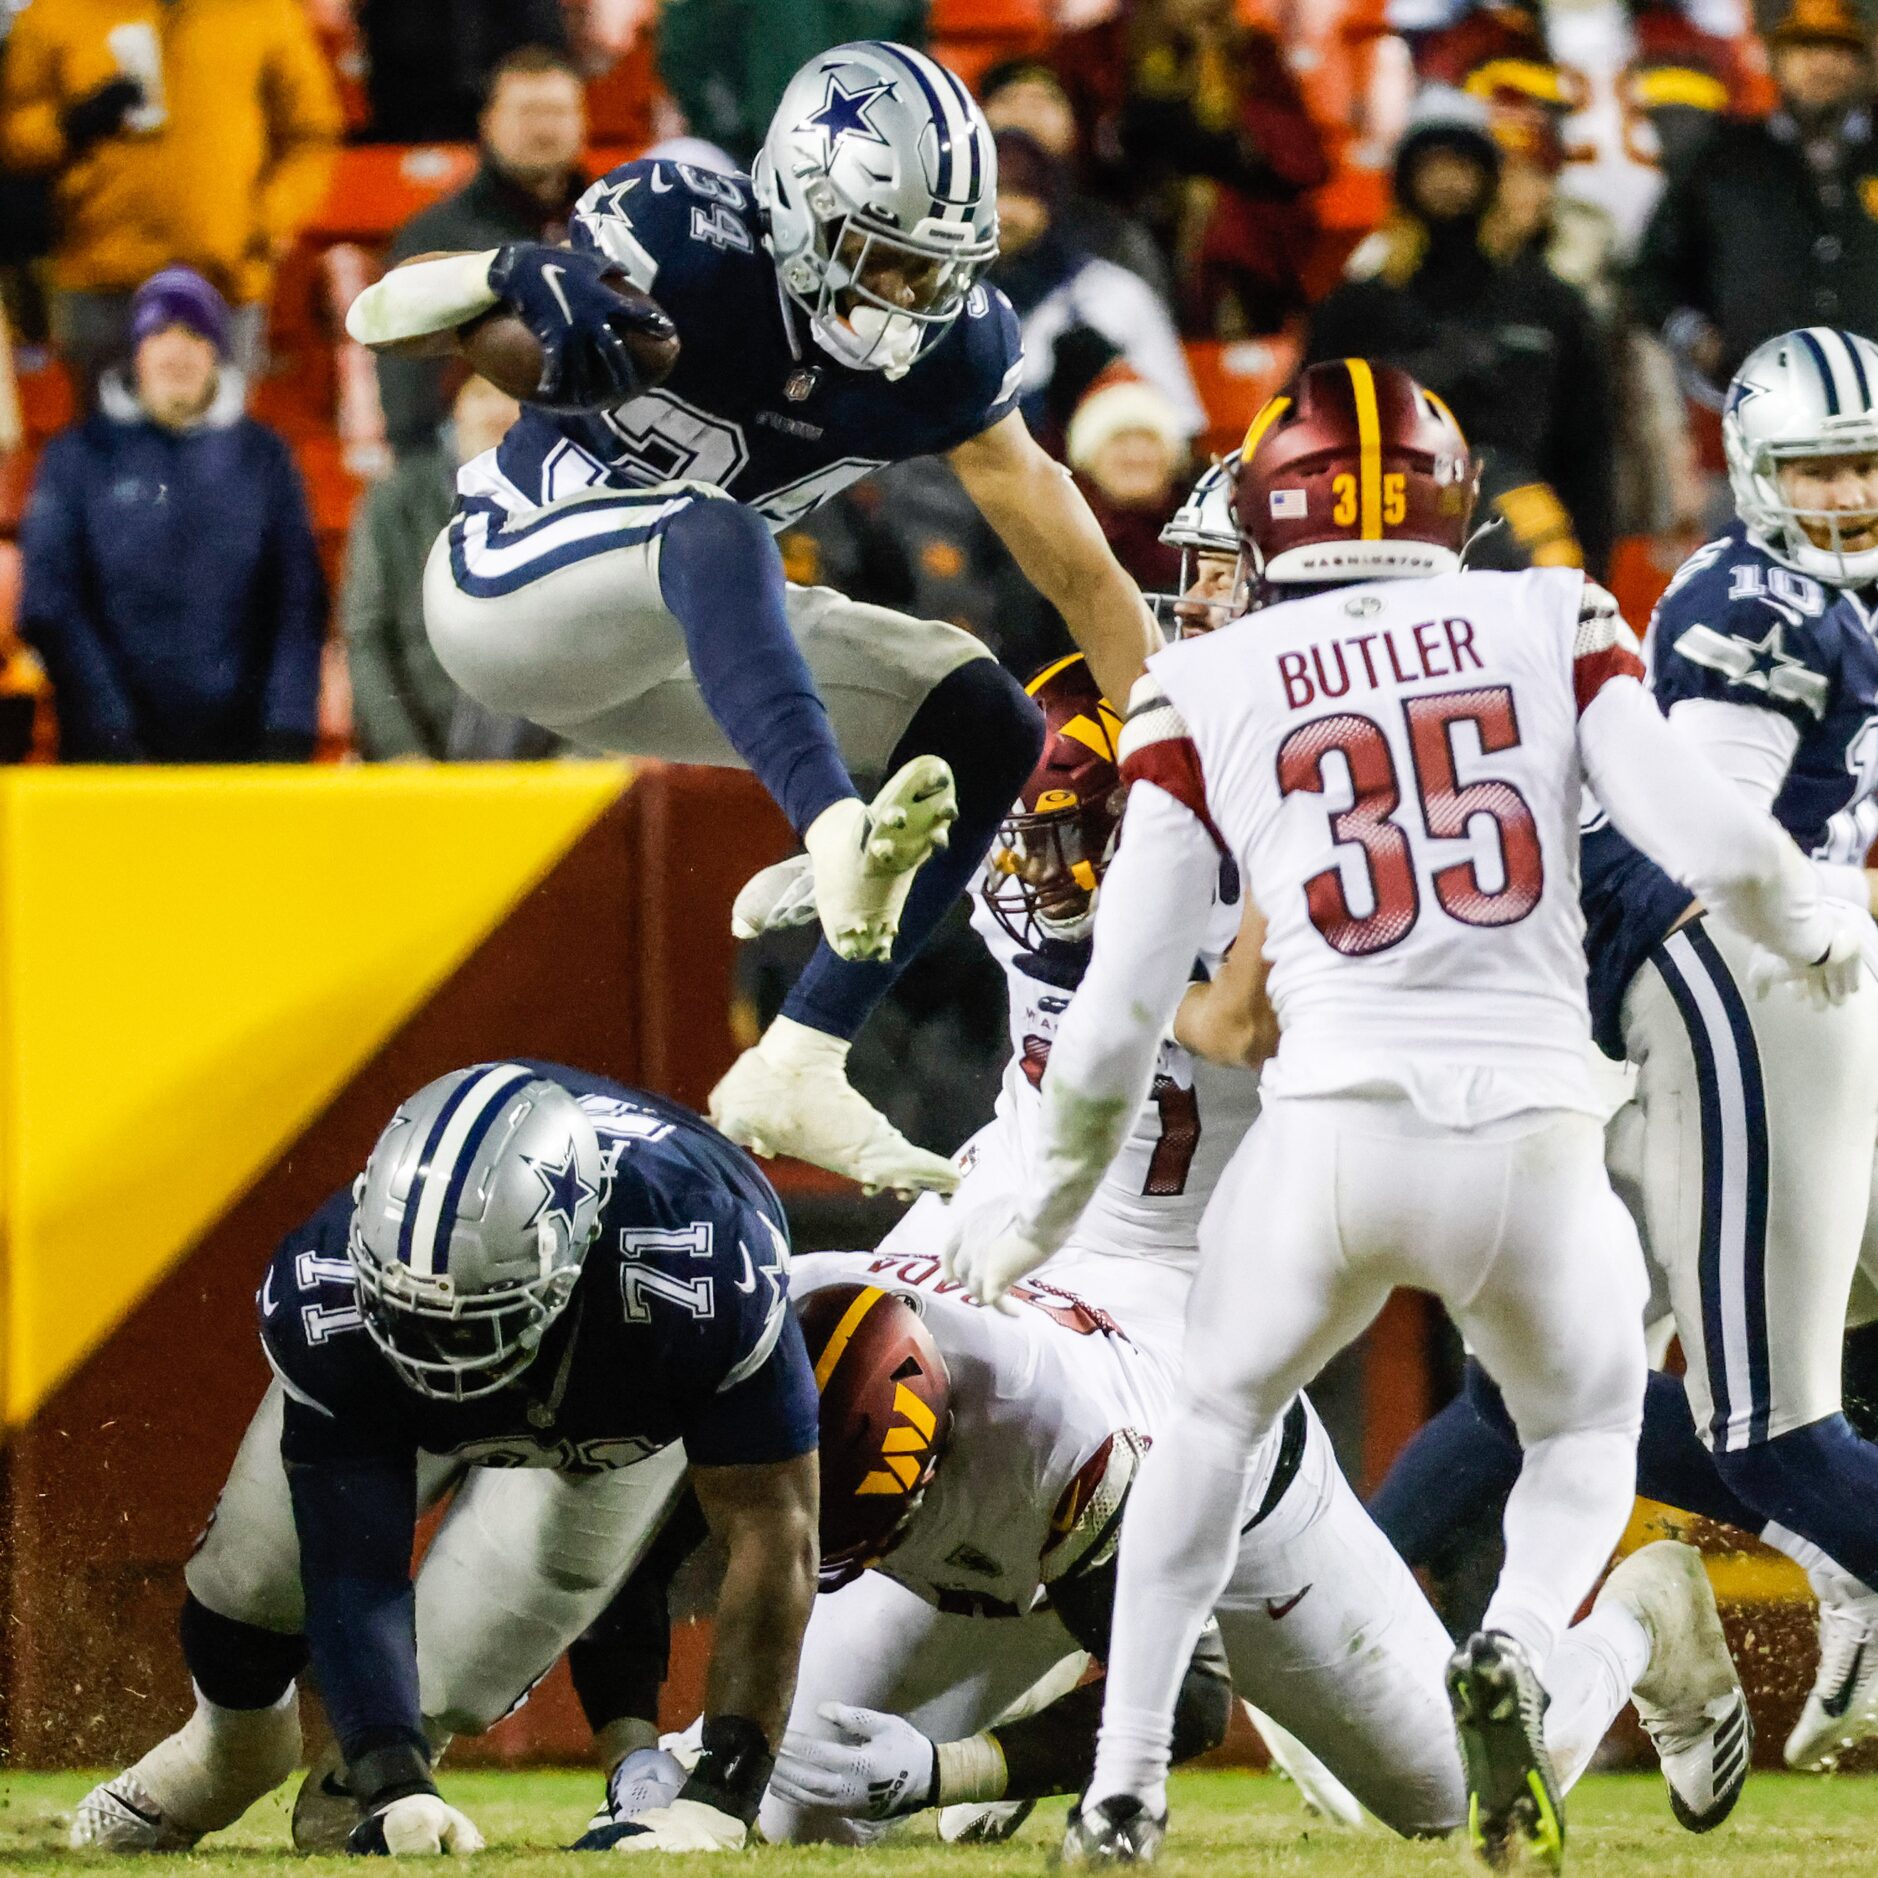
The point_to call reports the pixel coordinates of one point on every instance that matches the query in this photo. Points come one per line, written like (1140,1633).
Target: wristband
(972,1769)
(392,1772)
(733,1768)
(421,298)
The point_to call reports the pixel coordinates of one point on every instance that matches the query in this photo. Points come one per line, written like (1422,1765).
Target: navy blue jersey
(1736,626)
(753,407)
(678,1328)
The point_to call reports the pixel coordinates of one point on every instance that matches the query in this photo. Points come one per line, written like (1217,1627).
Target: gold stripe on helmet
(1441,404)
(1369,448)
(1050,671)
(1100,733)
(844,1334)
(1275,408)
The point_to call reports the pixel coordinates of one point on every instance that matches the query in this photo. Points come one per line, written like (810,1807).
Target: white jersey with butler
(1396,769)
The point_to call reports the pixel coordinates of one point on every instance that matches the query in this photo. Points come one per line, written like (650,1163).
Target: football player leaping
(1393,758)
(541,1285)
(610,573)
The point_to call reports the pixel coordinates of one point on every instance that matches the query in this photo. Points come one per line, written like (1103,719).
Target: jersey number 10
(1448,806)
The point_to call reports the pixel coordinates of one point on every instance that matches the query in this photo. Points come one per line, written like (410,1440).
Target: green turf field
(1785,1827)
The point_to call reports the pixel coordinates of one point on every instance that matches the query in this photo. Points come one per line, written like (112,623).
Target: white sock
(1180,1538)
(207,1774)
(1566,1512)
(1589,1678)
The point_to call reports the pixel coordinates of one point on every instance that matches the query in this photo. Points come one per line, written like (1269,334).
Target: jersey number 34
(1448,807)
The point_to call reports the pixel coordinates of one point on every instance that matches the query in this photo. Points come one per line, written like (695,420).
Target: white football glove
(988,1263)
(779,896)
(878,1766)
(682,1826)
(417,1826)
(1830,979)
(644,1779)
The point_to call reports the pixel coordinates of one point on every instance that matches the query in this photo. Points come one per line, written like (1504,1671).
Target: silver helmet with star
(1806,396)
(470,1225)
(879,181)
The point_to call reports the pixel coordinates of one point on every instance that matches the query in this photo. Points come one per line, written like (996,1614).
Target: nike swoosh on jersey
(1278,1608)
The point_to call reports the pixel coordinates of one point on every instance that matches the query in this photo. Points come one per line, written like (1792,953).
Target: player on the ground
(610,572)
(1760,1114)
(1395,767)
(1133,1257)
(541,1285)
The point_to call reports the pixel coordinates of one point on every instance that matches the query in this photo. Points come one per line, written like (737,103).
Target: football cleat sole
(1513,1807)
(324,1810)
(865,856)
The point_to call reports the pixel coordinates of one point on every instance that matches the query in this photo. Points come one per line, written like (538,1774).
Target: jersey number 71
(1370,823)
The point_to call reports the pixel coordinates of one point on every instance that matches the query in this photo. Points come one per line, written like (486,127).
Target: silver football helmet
(1203,525)
(879,182)
(470,1225)
(1809,393)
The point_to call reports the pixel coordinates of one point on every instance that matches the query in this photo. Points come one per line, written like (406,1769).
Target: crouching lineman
(541,1285)
(1427,1117)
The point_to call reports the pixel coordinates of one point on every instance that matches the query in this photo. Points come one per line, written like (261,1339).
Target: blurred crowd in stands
(1571,221)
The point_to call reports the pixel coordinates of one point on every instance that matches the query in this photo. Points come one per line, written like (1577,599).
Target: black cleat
(1117,1831)
(1499,1715)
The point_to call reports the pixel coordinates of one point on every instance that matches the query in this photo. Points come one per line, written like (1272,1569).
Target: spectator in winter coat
(428,62)
(1489,327)
(1773,224)
(534,129)
(402,699)
(1127,451)
(1059,290)
(1203,133)
(1027,95)
(171,581)
(198,131)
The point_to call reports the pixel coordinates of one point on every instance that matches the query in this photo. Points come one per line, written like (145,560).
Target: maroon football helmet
(886,1410)
(1355,473)
(1054,848)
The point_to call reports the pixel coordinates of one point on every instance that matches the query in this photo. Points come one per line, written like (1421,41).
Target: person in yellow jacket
(198,132)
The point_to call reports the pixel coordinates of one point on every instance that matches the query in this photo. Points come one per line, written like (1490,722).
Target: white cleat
(1320,1790)
(790,1094)
(983,1822)
(122,1816)
(866,854)
(1689,1696)
(1842,1708)
(775,899)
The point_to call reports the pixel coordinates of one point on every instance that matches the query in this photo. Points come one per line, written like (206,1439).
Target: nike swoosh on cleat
(132,1808)
(1840,1700)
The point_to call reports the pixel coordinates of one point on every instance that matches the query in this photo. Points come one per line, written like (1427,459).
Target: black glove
(563,298)
(99,114)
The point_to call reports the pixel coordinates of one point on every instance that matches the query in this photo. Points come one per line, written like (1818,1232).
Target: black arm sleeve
(1053,1751)
(619,1662)
(356,1520)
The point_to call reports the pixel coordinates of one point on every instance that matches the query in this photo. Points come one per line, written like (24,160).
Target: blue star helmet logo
(565,1189)
(844,113)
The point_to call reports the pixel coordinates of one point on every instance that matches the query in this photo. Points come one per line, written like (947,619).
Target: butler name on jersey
(748,409)
(672,1330)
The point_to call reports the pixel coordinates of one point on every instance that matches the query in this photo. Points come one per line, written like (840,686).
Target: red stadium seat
(1234,378)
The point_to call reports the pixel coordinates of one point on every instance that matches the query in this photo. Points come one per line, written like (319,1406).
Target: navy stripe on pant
(1735,1158)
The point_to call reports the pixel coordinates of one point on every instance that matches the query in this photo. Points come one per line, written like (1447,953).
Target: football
(501,349)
